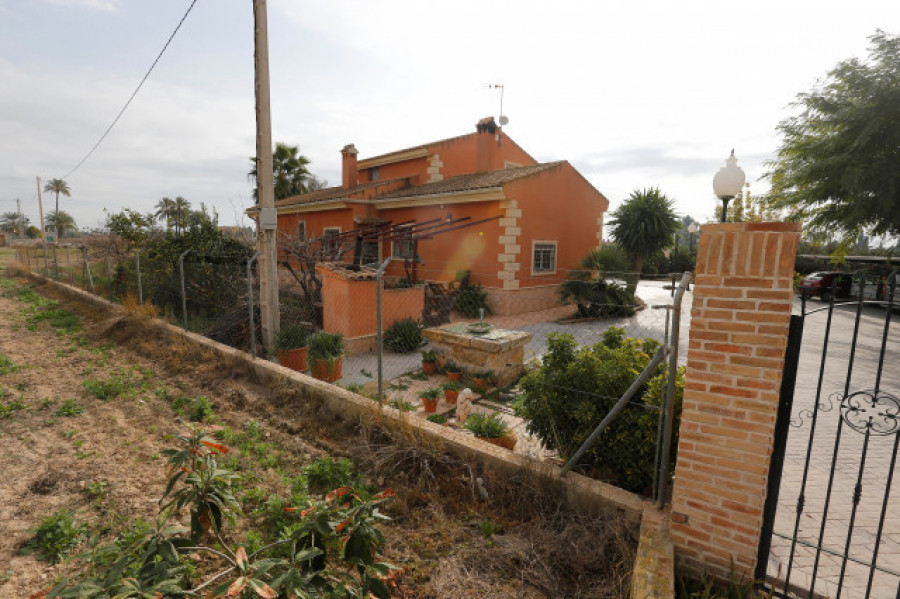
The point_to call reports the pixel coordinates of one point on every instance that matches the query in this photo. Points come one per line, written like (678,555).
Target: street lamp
(692,230)
(728,182)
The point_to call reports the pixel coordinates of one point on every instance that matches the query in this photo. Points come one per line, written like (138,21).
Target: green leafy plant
(8,408)
(470,300)
(432,393)
(292,336)
(452,367)
(6,365)
(486,425)
(326,346)
(326,547)
(105,390)
(403,406)
(428,356)
(202,409)
(69,408)
(328,473)
(452,386)
(574,388)
(437,418)
(56,535)
(404,336)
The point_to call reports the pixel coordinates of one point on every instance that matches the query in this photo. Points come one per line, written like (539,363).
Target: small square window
(374,174)
(544,257)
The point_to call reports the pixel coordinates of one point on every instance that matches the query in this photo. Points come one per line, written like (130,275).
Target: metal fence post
(380,338)
(87,268)
(46,266)
(69,263)
(109,279)
(250,302)
(670,391)
(55,262)
(137,261)
(183,292)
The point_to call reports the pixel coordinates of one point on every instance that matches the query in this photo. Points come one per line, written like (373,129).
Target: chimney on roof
(484,143)
(348,166)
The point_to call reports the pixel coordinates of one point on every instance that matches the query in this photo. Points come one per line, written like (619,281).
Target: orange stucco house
(544,217)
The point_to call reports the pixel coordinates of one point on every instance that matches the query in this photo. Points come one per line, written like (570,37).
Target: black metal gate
(831,524)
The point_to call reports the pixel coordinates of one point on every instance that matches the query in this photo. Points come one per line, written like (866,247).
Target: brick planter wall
(739,324)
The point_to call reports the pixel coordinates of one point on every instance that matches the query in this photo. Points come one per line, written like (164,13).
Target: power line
(136,90)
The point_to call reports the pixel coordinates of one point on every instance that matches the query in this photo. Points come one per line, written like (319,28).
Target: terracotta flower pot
(450,395)
(454,376)
(428,367)
(507,441)
(329,373)
(480,385)
(295,359)
(430,404)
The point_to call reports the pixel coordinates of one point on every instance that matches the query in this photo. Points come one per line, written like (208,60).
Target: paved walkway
(846,465)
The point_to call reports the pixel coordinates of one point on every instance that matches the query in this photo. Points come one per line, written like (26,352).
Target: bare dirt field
(87,401)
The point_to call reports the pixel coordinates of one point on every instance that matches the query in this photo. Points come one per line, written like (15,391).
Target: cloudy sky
(634,94)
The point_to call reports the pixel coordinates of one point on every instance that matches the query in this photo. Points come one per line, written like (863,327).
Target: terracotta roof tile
(471,181)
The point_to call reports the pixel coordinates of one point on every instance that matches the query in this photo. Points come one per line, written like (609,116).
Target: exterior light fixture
(728,182)
(692,230)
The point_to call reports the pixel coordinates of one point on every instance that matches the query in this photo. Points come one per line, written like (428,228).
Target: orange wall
(471,248)
(557,205)
(459,156)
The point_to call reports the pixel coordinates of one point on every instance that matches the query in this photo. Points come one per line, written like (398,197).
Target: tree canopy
(838,167)
(58,186)
(289,167)
(644,225)
(62,222)
(13,222)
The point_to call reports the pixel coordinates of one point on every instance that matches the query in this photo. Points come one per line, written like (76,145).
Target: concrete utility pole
(40,207)
(267,221)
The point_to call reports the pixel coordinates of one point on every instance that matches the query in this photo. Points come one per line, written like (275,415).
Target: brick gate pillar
(738,335)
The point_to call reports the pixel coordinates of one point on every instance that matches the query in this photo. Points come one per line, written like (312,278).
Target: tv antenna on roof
(503,120)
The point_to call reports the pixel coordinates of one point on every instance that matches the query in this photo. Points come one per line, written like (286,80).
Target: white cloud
(109,5)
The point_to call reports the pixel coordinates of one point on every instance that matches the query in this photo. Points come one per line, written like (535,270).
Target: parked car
(821,285)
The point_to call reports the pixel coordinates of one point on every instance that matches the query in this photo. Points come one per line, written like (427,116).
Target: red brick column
(738,336)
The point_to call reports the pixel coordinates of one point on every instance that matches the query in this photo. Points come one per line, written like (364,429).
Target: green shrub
(69,408)
(7,365)
(326,474)
(432,393)
(404,336)
(292,336)
(470,299)
(595,288)
(56,535)
(575,387)
(486,425)
(437,418)
(202,409)
(326,346)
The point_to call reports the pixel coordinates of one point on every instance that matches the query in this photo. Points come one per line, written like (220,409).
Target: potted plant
(429,362)
(491,428)
(291,345)
(430,398)
(451,391)
(326,352)
(482,380)
(453,372)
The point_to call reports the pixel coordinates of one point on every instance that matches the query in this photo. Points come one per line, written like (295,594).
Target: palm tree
(643,226)
(63,224)
(58,186)
(181,213)
(14,222)
(164,210)
(289,170)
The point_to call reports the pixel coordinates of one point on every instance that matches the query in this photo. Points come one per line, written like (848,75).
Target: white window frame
(535,245)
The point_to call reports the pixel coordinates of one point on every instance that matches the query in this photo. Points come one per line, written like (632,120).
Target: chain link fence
(435,321)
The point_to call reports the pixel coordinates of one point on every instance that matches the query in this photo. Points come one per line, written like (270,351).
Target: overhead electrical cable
(136,90)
